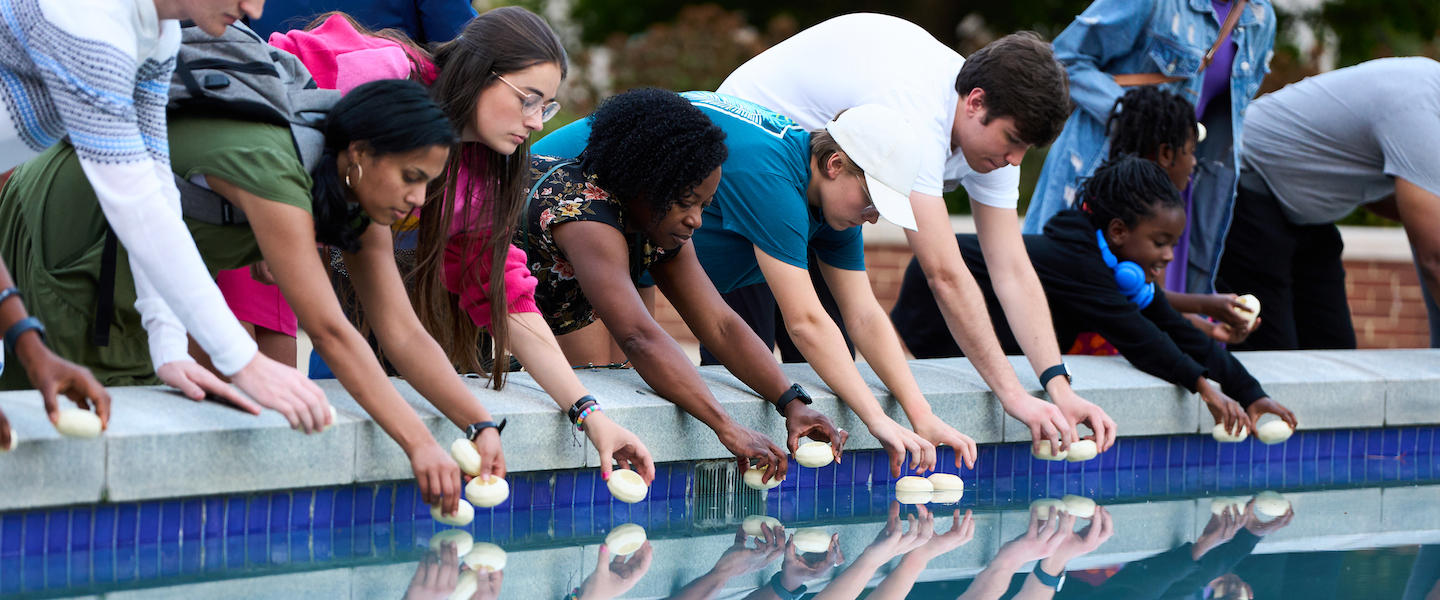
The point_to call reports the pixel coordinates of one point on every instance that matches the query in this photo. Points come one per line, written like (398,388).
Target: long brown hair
(499,42)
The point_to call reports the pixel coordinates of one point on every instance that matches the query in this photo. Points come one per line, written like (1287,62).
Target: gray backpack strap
(525,210)
(206,206)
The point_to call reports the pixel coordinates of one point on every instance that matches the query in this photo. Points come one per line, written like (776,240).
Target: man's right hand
(751,448)
(285,390)
(1045,420)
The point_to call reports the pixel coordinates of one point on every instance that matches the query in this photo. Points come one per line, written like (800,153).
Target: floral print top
(569,194)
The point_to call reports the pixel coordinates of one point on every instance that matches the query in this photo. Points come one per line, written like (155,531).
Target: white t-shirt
(865,58)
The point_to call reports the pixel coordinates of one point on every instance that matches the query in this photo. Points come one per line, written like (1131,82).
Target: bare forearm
(424,365)
(1034,590)
(355,365)
(536,348)
(991,583)
(963,306)
(741,351)
(1023,299)
(704,588)
(1186,303)
(898,583)
(821,344)
(877,341)
(663,365)
(850,582)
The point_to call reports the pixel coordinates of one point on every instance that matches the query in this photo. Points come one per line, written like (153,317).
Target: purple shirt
(1217,81)
(1217,75)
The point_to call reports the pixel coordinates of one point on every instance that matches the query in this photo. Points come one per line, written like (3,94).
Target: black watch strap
(794,393)
(20,327)
(579,406)
(1054,581)
(473,431)
(1053,372)
(784,594)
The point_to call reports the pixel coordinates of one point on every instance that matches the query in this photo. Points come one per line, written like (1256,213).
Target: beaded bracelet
(580,422)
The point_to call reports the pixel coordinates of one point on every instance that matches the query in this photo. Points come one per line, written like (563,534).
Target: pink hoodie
(339,57)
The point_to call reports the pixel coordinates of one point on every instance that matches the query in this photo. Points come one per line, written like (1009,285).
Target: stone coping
(161,445)
(1383,244)
(1324,521)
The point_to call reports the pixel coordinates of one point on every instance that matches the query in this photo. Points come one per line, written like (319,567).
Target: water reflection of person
(1187,571)
(741,559)
(1052,540)
(438,573)
(898,583)
(894,540)
(614,575)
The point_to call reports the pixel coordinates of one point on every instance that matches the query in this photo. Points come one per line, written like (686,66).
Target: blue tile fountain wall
(72,550)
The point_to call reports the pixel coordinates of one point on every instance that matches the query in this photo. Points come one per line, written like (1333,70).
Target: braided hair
(1128,188)
(1146,118)
(649,147)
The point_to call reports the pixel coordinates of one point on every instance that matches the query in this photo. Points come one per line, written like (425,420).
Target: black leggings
(1295,270)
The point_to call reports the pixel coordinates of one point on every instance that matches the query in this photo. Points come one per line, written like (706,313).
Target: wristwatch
(1053,372)
(473,430)
(783,593)
(794,393)
(1054,581)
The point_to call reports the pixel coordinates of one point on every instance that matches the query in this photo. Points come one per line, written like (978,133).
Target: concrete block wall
(161,445)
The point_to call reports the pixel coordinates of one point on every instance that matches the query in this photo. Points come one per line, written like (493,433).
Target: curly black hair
(1128,188)
(649,147)
(1147,117)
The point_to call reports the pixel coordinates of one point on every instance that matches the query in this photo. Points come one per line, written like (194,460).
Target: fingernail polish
(605,476)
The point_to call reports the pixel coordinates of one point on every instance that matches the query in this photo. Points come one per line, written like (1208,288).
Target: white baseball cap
(882,143)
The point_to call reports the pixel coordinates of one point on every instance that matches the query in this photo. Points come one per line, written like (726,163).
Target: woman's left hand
(618,445)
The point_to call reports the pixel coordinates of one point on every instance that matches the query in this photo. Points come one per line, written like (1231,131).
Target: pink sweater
(339,57)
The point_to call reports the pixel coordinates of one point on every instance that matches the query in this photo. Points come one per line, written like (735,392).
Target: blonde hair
(823,146)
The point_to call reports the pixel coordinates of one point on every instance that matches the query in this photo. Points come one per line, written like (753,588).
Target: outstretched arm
(601,260)
(535,347)
(877,341)
(1419,211)
(286,235)
(407,345)
(963,306)
(819,340)
(1020,293)
(721,330)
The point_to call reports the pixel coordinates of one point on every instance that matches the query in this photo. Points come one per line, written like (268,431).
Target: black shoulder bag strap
(105,301)
(525,210)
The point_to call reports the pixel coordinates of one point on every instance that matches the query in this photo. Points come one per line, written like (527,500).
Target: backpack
(237,75)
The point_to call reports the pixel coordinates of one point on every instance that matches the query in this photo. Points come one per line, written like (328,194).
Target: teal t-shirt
(761,199)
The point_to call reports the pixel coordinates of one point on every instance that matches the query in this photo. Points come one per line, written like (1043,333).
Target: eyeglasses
(865,189)
(531,103)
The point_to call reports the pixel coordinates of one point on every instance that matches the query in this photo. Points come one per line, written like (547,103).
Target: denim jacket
(1169,37)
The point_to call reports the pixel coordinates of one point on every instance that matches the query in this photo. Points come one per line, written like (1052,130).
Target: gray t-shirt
(1335,141)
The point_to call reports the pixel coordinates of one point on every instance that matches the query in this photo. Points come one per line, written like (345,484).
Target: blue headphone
(1129,277)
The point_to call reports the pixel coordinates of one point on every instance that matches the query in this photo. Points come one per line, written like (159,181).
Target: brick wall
(1385,300)
(1386,304)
